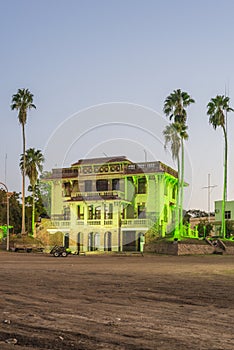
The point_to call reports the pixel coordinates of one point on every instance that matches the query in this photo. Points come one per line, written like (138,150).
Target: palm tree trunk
(177,218)
(23,184)
(223,226)
(33,209)
(182,188)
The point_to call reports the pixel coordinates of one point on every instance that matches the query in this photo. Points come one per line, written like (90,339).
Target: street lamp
(7,202)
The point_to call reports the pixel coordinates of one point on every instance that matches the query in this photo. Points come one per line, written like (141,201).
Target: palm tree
(175,133)
(175,108)
(172,136)
(217,109)
(33,165)
(22,101)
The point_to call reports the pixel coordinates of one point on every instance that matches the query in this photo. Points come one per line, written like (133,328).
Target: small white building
(229,214)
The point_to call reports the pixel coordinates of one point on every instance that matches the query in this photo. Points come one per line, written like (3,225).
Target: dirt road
(116,302)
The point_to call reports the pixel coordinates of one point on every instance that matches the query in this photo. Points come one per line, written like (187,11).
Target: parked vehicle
(59,251)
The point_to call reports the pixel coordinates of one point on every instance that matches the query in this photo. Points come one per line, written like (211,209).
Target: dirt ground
(116,302)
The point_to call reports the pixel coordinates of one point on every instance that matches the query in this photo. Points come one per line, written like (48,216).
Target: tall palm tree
(33,166)
(172,136)
(175,108)
(217,109)
(22,101)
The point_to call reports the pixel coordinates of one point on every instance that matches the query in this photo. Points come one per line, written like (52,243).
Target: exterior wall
(179,249)
(83,195)
(229,206)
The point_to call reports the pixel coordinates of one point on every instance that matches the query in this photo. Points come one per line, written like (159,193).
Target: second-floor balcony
(124,223)
(100,195)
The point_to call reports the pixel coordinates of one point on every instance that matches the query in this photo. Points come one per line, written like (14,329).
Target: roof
(102,160)
(99,166)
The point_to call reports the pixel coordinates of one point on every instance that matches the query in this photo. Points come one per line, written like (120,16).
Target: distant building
(109,203)
(229,214)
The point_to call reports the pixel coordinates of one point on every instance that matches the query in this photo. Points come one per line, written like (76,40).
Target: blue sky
(73,55)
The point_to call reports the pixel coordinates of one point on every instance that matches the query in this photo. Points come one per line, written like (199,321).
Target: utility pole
(209,188)
(7,224)
(145,156)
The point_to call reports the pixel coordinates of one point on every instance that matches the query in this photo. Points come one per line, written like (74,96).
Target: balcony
(125,223)
(61,223)
(102,195)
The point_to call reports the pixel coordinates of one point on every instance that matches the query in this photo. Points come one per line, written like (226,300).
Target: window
(165,214)
(97,213)
(141,210)
(174,192)
(66,213)
(115,184)
(142,185)
(80,214)
(88,186)
(66,189)
(102,185)
(90,213)
(228,214)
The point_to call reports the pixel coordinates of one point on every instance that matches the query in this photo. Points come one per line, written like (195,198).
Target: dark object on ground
(28,248)
(59,251)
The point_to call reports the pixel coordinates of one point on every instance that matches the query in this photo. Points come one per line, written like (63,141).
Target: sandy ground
(116,302)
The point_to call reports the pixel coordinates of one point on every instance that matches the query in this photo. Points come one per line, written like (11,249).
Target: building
(229,217)
(109,203)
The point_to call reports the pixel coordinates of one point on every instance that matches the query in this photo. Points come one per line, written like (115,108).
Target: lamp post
(7,202)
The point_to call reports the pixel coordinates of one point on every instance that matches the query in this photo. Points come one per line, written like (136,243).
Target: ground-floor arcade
(90,240)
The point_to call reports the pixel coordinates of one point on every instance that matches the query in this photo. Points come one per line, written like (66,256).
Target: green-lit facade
(107,204)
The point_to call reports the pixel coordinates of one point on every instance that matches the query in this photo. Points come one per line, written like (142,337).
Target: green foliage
(31,163)
(229,229)
(216,109)
(45,191)
(22,101)
(204,228)
(14,210)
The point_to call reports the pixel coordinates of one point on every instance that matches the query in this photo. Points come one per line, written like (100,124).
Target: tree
(45,193)
(171,135)
(217,109)
(204,228)
(14,210)
(33,162)
(175,108)
(22,101)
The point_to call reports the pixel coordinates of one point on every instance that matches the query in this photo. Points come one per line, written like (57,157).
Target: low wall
(230,250)
(179,249)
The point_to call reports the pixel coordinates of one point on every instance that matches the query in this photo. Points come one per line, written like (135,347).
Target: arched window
(108,241)
(66,240)
(97,241)
(91,242)
(79,242)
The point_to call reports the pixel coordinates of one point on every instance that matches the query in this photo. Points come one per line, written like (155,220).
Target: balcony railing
(136,223)
(93,222)
(61,223)
(108,222)
(97,195)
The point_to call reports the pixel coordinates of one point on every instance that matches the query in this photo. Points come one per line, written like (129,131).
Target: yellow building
(107,204)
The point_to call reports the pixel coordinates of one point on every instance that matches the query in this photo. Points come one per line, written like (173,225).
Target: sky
(100,71)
